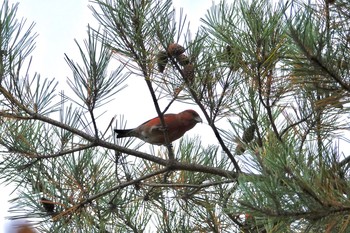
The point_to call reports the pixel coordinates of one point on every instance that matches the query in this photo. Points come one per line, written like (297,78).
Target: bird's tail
(122,133)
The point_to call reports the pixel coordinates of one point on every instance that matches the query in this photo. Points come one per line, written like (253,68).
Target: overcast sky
(58,23)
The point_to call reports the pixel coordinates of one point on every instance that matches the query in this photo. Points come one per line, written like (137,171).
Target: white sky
(58,23)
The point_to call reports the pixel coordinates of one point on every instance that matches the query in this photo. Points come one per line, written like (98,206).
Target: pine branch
(285,130)
(115,188)
(174,165)
(209,120)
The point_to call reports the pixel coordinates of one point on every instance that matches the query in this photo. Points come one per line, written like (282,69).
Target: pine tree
(271,79)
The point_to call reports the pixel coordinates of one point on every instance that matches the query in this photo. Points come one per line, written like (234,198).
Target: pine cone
(233,56)
(175,49)
(177,91)
(239,149)
(48,205)
(248,134)
(188,72)
(22,228)
(182,59)
(228,50)
(162,60)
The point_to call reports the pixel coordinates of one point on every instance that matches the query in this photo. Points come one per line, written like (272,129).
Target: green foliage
(91,83)
(271,80)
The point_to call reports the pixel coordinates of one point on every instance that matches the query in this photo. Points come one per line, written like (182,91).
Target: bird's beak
(198,119)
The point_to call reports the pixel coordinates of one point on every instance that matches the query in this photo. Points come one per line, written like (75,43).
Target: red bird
(152,131)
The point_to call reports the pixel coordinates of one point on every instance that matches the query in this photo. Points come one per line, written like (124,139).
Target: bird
(153,132)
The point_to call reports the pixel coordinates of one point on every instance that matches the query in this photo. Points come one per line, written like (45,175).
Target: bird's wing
(156,124)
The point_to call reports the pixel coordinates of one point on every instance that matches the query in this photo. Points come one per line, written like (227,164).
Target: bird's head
(192,116)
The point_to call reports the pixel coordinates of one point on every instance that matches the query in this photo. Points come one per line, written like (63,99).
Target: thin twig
(119,186)
(295,123)
(200,186)
(209,120)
